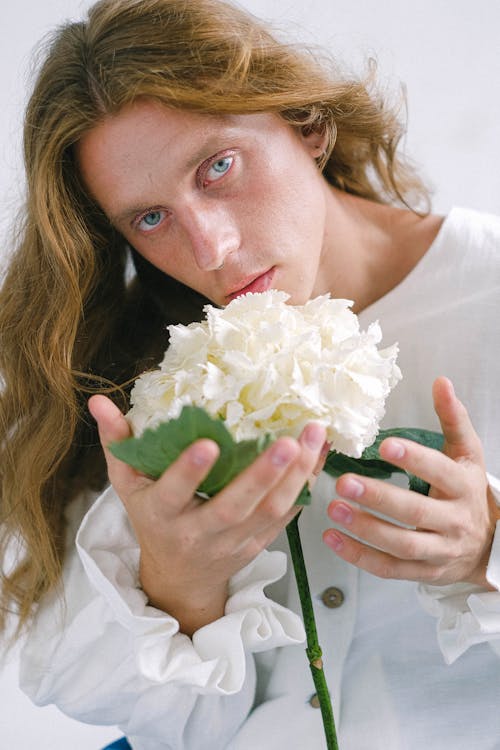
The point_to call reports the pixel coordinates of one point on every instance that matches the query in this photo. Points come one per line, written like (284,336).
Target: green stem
(313,649)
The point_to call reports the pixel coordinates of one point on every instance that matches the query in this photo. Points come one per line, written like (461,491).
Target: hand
(452,528)
(189,548)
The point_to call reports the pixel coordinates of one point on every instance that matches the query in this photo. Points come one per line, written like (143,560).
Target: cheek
(162,248)
(296,212)
(181,270)
(166,261)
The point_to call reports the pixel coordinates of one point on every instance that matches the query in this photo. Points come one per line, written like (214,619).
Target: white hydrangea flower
(264,366)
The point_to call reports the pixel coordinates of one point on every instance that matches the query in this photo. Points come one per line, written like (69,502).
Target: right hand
(189,548)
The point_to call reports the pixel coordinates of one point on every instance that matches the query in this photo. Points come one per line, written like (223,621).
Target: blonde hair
(69,325)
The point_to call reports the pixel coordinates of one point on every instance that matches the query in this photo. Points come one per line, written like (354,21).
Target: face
(226,205)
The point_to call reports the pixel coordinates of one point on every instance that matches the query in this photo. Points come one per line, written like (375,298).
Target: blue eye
(219,168)
(151,220)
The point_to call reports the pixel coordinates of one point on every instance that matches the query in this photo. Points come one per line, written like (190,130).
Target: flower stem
(313,649)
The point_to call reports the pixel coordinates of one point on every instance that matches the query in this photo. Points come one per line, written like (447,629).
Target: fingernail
(198,457)
(351,488)
(280,455)
(202,454)
(333,540)
(394,449)
(341,513)
(314,436)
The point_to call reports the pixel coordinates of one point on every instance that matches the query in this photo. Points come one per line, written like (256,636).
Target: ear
(315,141)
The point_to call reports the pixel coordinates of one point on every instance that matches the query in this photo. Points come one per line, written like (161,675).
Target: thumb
(461,439)
(112,427)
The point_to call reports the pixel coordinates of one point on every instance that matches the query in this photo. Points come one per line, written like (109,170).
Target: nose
(212,233)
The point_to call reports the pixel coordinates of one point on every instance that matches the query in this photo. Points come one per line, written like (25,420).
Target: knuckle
(224,514)
(462,525)
(456,552)
(418,515)
(419,458)
(377,495)
(356,556)
(413,550)
(458,528)
(386,570)
(468,476)
(271,511)
(465,476)
(361,557)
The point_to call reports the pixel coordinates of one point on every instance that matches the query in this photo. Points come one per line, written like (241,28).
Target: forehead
(141,125)
(148,122)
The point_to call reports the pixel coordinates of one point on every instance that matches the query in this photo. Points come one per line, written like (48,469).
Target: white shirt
(407,666)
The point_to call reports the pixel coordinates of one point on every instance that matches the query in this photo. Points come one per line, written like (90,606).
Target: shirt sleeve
(103,655)
(468,614)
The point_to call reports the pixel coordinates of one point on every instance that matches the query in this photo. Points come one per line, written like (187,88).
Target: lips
(260,283)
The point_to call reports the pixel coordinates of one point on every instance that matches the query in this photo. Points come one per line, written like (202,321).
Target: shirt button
(314,701)
(332,597)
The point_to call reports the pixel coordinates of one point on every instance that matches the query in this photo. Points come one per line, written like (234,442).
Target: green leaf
(155,450)
(371,465)
(338,463)
(304,497)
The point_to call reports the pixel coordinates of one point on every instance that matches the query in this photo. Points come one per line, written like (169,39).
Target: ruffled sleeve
(103,655)
(468,614)
(214,659)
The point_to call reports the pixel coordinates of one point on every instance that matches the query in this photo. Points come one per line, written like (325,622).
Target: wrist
(479,576)
(193,606)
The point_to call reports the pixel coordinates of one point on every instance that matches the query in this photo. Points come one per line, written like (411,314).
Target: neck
(369,247)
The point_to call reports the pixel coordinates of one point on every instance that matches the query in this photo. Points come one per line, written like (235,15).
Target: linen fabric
(407,665)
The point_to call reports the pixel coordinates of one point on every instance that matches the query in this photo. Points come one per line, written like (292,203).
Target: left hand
(452,528)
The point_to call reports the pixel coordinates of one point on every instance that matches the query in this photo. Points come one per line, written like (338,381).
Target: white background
(447,54)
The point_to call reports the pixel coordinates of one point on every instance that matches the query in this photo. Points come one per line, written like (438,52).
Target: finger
(431,465)
(378,562)
(399,541)
(283,496)
(404,506)
(237,501)
(279,505)
(461,440)
(276,478)
(110,421)
(112,426)
(178,484)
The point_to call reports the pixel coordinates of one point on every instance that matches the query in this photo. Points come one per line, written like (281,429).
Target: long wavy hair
(70,322)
